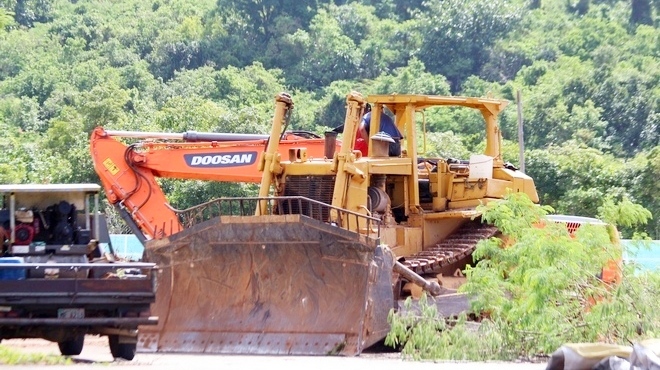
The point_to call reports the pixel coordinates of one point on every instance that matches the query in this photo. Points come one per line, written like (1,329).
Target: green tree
(630,104)
(443,145)
(189,113)
(84,25)
(251,86)
(187,193)
(191,82)
(22,113)
(262,15)
(14,164)
(171,55)
(6,19)
(36,80)
(247,27)
(643,175)
(19,49)
(459,33)
(640,12)
(624,213)
(556,106)
(396,10)
(104,105)
(330,109)
(28,12)
(581,7)
(329,54)
(588,34)
(411,79)
(535,292)
(65,148)
(578,180)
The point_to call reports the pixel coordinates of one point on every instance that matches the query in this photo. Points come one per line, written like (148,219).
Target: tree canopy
(588,72)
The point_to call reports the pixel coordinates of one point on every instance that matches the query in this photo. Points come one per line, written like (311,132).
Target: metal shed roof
(47,188)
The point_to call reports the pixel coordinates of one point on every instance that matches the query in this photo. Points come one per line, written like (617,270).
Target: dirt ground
(96,354)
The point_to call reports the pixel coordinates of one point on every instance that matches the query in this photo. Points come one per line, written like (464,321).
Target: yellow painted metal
(497,187)
(521,183)
(408,120)
(403,240)
(270,159)
(374,126)
(468,203)
(493,137)
(311,168)
(298,155)
(391,166)
(344,159)
(408,240)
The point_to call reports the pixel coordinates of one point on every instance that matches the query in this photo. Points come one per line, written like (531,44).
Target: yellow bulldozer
(315,262)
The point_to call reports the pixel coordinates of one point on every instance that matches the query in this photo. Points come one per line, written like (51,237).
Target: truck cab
(59,277)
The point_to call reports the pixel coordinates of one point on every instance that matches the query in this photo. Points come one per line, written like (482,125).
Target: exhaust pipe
(330,144)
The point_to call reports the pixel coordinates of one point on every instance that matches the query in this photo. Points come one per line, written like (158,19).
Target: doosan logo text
(221,160)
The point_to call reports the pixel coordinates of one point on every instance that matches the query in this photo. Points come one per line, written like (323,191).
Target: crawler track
(458,247)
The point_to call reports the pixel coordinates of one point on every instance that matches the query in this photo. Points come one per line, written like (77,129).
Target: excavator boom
(128,172)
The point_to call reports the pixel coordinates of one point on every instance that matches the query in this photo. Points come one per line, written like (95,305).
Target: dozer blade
(276,284)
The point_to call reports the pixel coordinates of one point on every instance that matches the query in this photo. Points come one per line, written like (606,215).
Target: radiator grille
(319,188)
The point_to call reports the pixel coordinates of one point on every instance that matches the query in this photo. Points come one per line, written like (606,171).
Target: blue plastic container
(12,273)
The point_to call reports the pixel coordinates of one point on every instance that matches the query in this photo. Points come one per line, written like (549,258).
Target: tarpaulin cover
(600,356)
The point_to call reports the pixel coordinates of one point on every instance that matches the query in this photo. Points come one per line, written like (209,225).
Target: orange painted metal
(128,173)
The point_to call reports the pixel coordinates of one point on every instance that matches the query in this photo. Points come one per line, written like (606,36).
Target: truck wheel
(72,347)
(121,350)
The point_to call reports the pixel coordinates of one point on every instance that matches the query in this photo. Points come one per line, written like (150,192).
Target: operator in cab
(387,126)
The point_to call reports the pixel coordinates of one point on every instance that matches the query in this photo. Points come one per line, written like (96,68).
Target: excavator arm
(128,172)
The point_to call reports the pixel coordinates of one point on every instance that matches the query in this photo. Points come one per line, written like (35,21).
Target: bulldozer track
(458,246)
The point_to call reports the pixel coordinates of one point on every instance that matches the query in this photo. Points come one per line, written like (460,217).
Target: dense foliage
(588,72)
(538,289)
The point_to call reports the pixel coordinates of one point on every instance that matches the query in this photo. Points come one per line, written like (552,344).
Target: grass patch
(10,356)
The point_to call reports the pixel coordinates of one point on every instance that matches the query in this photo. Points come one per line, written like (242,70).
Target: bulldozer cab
(420,201)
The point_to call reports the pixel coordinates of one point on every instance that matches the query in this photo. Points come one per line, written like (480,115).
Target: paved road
(96,353)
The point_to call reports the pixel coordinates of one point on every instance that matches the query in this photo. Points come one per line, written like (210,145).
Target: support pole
(521,139)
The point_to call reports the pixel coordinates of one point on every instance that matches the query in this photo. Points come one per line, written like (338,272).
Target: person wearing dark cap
(387,126)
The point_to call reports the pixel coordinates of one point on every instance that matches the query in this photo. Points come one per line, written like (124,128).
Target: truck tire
(73,346)
(121,350)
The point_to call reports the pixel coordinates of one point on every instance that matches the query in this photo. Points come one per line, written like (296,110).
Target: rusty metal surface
(284,284)
(455,252)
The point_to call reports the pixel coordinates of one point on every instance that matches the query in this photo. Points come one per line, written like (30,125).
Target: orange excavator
(128,172)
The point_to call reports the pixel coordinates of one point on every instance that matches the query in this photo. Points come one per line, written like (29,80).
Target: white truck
(59,277)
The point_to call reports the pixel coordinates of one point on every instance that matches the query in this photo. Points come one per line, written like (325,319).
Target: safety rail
(278,206)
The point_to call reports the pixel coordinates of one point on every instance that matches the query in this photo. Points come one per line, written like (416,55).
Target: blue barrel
(12,273)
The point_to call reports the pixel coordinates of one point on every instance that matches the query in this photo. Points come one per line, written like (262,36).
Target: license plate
(71,313)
